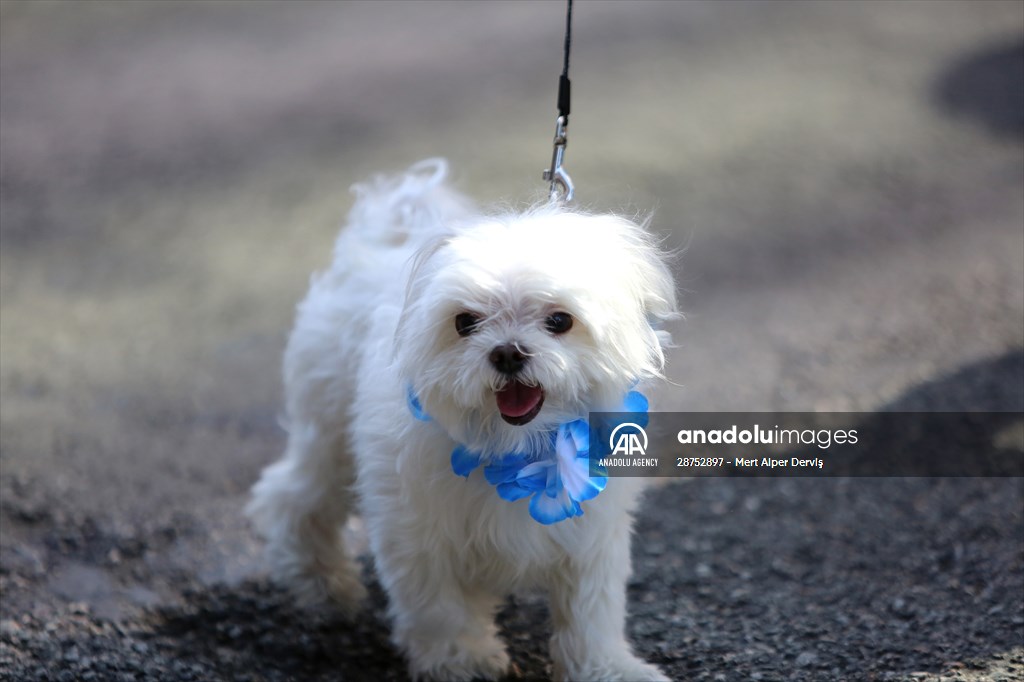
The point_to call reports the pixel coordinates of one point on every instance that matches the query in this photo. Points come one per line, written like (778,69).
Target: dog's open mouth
(519,403)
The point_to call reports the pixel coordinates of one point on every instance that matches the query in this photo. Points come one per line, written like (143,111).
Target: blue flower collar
(556,477)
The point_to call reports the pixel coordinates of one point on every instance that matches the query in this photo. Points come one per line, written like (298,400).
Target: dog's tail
(416,205)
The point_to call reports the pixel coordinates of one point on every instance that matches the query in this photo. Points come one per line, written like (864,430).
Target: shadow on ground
(985,87)
(736,579)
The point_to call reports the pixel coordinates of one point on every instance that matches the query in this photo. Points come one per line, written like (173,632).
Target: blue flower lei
(556,478)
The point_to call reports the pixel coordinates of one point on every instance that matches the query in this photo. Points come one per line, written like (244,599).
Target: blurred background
(843,182)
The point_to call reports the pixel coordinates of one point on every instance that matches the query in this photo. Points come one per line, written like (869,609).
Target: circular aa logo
(628,439)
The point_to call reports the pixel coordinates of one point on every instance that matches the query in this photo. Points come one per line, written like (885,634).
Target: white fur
(448,549)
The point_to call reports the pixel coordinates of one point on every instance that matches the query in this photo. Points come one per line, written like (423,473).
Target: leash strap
(561,188)
(563,80)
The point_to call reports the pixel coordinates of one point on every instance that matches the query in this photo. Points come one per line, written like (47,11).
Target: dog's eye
(466,323)
(558,323)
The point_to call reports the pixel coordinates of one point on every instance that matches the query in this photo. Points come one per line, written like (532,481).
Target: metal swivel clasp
(562,189)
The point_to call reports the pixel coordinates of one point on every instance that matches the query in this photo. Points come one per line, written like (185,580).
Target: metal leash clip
(562,189)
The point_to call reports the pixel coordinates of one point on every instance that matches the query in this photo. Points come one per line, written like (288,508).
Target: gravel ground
(846,579)
(843,181)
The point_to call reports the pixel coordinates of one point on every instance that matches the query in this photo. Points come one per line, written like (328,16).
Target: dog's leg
(588,609)
(300,505)
(447,632)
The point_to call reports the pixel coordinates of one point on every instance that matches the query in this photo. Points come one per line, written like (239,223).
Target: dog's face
(513,326)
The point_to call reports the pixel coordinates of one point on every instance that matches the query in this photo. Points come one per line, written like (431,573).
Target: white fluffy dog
(436,376)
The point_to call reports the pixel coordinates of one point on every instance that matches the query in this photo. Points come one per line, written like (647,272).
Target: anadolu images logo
(628,439)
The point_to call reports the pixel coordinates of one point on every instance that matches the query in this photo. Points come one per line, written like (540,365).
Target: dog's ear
(421,268)
(643,270)
(631,294)
(656,289)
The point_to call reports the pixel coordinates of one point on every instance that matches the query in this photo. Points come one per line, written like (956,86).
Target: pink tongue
(516,399)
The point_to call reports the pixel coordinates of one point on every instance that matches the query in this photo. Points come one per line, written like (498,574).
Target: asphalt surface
(844,183)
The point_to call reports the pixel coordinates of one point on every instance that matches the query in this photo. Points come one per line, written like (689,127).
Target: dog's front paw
(623,668)
(469,658)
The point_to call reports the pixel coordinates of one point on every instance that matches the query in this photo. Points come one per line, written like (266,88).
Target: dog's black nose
(508,359)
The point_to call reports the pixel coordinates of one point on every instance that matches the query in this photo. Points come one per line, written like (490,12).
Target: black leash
(562,189)
(563,80)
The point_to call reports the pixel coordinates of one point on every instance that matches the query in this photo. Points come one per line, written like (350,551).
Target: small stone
(806,659)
